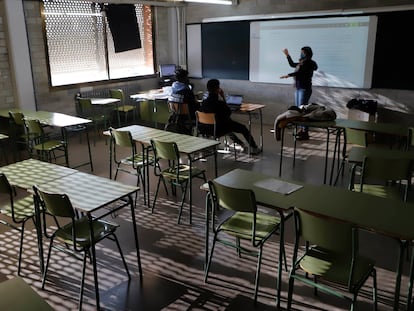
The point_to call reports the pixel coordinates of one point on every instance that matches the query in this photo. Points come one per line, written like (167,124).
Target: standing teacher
(303,80)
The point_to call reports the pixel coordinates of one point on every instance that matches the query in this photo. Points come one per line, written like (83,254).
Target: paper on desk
(276,185)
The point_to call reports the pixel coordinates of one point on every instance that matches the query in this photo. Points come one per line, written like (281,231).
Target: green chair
(98,115)
(385,177)
(18,211)
(122,107)
(351,138)
(244,223)
(136,163)
(169,168)
(331,261)
(41,145)
(161,113)
(75,234)
(18,133)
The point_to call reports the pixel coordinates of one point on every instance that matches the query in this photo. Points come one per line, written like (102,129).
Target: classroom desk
(158,110)
(337,127)
(96,101)
(88,194)
(56,119)
(392,218)
(195,148)
(17,295)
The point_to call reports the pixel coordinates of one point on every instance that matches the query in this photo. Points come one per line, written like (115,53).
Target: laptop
(234,102)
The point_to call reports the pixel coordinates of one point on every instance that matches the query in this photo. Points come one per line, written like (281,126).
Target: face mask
(302,55)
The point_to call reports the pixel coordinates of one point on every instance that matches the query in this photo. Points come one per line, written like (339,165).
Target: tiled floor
(172,255)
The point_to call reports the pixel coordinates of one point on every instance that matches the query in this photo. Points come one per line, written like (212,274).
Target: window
(80,45)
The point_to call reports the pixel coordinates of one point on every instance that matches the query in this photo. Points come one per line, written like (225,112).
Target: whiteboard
(343,48)
(194,64)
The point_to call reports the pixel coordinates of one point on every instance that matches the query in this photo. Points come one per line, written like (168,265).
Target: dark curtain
(123,24)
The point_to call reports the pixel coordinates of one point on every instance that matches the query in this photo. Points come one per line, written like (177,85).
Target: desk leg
(134,226)
(326,156)
(261,129)
(215,163)
(39,233)
(336,149)
(89,148)
(281,253)
(398,277)
(110,157)
(93,255)
(208,207)
(191,188)
(410,282)
(282,140)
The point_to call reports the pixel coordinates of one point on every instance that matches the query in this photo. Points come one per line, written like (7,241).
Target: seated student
(215,103)
(182,93)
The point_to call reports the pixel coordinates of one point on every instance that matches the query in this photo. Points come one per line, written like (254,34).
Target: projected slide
(343,47)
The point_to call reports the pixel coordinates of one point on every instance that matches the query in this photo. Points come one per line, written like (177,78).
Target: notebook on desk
(234,101)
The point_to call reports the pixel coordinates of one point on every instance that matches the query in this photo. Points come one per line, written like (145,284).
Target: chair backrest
(55,204)
(122,138)
(117,93)
(85,105)
(329,235)
(384,170)
(410,138)
(356,137)
(235,199)
(33,127)
(179,108)
(17,118)
(165,150)
(206,123)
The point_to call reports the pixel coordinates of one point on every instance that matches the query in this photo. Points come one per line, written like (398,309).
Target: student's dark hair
(213,85)
(308,51)
(181,74)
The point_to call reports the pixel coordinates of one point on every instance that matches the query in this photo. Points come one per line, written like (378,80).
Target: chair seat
(335,268)
(171,172)
(240,225)
(101,229)
(125,108)
(49,145)
(389,192)
(138,160)
(23,209)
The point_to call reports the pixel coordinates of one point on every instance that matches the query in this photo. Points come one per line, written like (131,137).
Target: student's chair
(206,127)
(243,223)
(74,235)
(41,145)
(351,138)
(136,163)
(385,177)
(122,107)
(331,261)
(18,133)
(17,211)
(180,119)
(96,114)
(169,168)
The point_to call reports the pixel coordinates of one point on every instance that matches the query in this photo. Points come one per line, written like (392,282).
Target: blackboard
(225,50)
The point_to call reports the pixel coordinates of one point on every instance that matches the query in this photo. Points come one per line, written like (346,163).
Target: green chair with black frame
(385,177)
(75,234)
(161,113)
(41,145)
(331,261)
(18,133)
(169,168)
(98,115)
(17,211)
(122,107)
(244,222)
(351,138)
(136,163)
